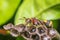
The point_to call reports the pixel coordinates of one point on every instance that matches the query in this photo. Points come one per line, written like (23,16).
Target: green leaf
(52,13)
(45,4)
(55,24)
(7,9)
(20,38)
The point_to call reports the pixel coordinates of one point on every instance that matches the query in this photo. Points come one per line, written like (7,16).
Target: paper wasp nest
(32,29)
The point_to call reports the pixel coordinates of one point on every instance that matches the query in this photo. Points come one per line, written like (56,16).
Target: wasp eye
(35,37)
(40,30)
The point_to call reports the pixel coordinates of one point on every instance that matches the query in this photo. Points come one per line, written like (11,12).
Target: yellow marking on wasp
(50,24)
(45,21)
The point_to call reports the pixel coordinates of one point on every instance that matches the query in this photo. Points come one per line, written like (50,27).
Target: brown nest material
(33,29)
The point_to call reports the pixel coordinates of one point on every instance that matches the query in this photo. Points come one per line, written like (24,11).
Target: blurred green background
(42,9)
